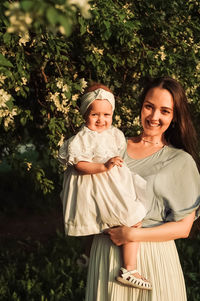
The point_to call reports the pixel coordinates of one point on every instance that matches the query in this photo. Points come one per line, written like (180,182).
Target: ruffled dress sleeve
(75,149)
(120,141)
(90,146)
(178,187)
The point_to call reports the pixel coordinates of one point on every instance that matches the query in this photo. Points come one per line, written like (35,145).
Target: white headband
(89,97)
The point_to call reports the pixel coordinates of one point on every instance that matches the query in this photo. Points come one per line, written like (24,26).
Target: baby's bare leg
(128,273)
(129,253)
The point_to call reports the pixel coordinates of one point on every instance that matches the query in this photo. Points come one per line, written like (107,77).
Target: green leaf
(7,38)
(5,62)
(9,104)
(27,5)
(52,15)
(6,4)
(23,120)
(83,26)
(66,23)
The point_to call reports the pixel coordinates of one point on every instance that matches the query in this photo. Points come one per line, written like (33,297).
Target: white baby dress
(93,203)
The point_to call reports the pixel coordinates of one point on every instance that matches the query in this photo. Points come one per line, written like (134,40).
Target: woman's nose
(155,115)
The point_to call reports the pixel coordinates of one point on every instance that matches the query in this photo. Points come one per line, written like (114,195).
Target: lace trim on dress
(92,146)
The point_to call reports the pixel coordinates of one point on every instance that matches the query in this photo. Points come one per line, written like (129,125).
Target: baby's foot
(134,279)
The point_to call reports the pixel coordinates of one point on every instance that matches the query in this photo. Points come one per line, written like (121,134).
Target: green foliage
(52,49)
(35,271)
(190,260)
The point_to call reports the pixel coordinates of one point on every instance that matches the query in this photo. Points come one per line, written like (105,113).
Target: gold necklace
(156,143)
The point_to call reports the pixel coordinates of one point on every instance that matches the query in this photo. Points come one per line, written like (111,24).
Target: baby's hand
(113,161)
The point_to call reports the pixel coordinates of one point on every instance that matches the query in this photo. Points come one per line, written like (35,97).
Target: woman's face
(157,112)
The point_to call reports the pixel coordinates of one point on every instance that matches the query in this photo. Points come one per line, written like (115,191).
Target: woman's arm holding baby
(167,231)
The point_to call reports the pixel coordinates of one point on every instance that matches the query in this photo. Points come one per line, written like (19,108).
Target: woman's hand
(164,232)
(122,235)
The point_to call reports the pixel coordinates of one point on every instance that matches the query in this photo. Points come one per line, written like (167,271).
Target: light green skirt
(157,261)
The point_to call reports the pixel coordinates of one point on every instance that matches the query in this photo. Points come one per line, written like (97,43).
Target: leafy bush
(190,260)
(42,272)
(51,50)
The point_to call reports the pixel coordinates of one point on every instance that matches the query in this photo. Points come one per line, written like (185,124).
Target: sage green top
(173,184)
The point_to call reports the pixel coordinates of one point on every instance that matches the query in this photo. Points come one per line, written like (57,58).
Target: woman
(164,154)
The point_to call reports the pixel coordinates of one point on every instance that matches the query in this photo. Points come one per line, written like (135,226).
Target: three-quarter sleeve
(177,186)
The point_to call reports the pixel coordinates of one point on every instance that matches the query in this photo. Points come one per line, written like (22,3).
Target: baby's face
(99,117)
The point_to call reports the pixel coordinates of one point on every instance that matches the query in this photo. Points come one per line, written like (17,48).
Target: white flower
(24,80)
(89,31)
(13,112)
(162,56)
(65,88)
(7,121)
(134,87)
(136,121)
(27,19)
(60,106)
(29,165)
(62,86)
(61,140)
(75,75)
(17,89)
(2,78)
(4,97)
(126,111)
(75,97)
(118,120)
(25,38)
(97,50)
(161,53)
(134,75)
(198,66)
(8,116)
(83,84)
(62,30)
(59,83)
(3,50)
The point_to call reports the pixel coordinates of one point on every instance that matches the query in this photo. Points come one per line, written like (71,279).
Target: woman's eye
(147,106)
(165,112)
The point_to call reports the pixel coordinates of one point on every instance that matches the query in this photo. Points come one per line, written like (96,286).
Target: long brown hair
(181,132)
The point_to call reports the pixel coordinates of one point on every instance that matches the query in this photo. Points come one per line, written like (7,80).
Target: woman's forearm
(164,232)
